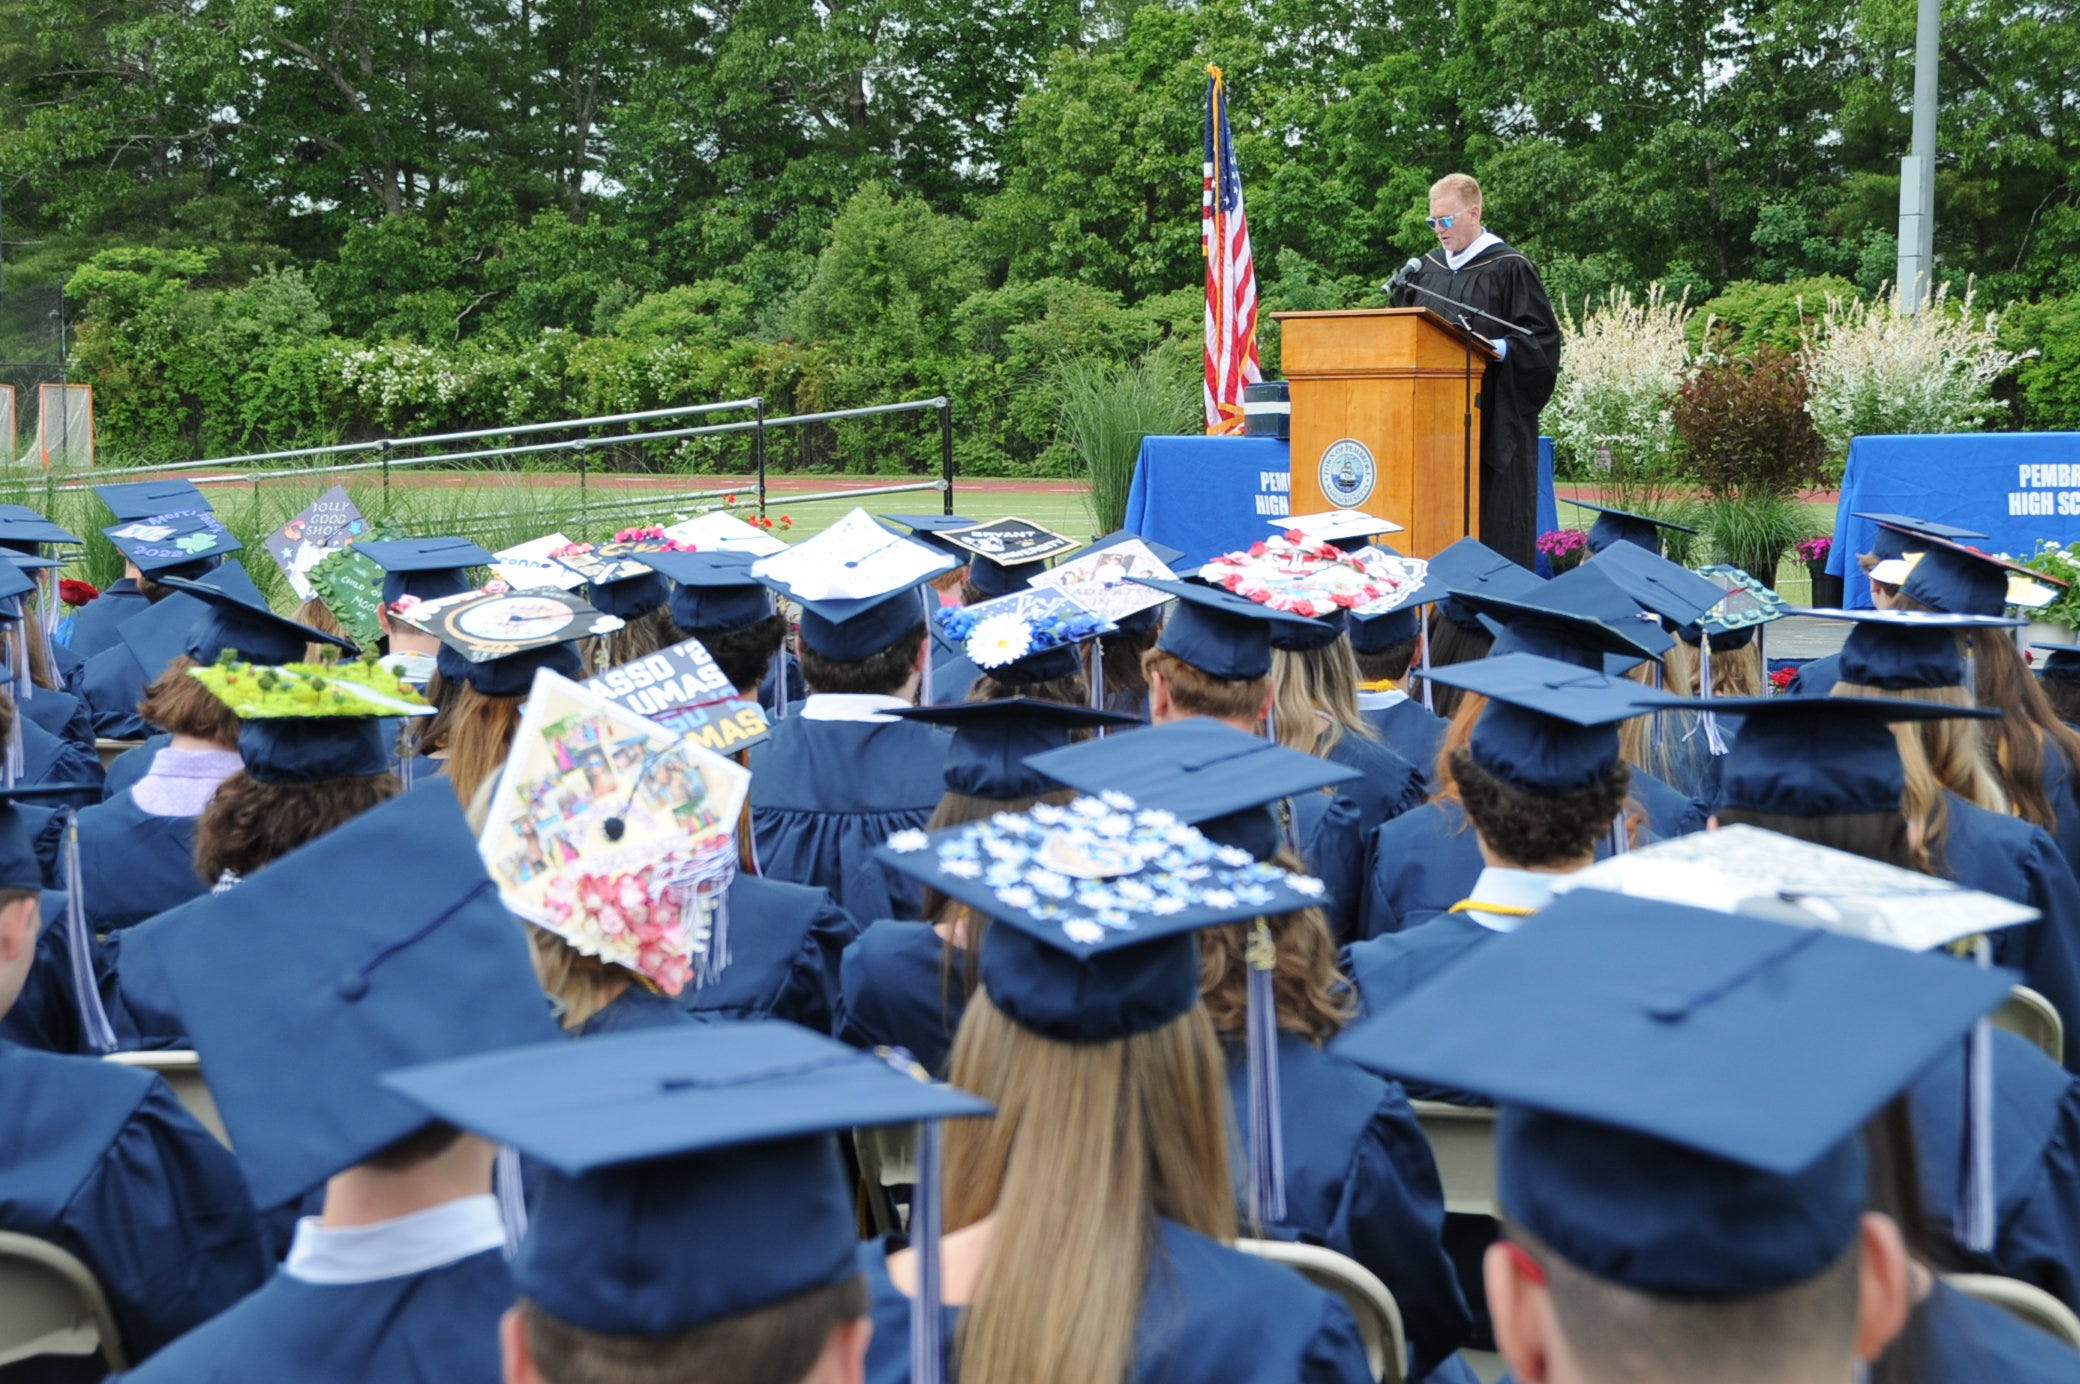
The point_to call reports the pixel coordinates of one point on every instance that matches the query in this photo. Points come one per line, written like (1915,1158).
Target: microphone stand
(1458,307)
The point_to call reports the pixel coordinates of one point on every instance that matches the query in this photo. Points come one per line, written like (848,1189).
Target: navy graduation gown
(1329,834)
(1816,678)
(826,794)
(636,1007)
(112,685)
(1208,1312)
(2006,856)
(1961,1339)
(60,713)
(1412,732)
(2059,788)
(94,624)
(436,1327)
(49,760)
(1360,1180)
(1390,786)
(102,1161)
(953,673)
(133,764)
(785,666)
(784,945)
(898,988)
(66,665)
(133,864)
(2036,1152)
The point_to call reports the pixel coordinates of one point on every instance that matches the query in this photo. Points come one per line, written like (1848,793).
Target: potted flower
(1563,548)
(1827,588)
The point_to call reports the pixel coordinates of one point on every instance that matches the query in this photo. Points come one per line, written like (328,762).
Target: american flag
(1231,277)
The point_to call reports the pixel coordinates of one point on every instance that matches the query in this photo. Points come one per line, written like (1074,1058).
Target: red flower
(786,522)
(1345,599)
(1781,678)
(1232,580)
(1256,550)
(75,592)
(729,499)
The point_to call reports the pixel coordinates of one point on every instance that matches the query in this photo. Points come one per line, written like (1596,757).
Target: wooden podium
(1384,419)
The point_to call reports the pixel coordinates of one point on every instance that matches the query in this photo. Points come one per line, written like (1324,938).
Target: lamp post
(1915,281)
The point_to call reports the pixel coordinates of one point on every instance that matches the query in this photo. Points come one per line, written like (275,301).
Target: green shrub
(2050,379)
(1753,532)
(1107,409)
(1750,315)
(1744,428)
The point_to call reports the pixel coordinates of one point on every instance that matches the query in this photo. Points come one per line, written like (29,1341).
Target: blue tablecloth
(2016,488)
(1210,495)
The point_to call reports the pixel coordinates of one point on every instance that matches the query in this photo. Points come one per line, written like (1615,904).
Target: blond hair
(480,735)
(1196,692)
(1308,994)
(318,615)
(1091,1144)
(1735,672)
(1940,758)
(1310,681)
(1461,187)
(583,985)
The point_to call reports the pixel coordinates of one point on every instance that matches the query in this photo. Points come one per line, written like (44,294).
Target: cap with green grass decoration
(303,722)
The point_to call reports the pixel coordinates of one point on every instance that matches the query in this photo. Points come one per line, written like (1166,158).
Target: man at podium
(1475,278)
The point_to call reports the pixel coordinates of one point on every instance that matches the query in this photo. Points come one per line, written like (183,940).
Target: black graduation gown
(1500,280)
(784,945)
(94,624)
(102,1161)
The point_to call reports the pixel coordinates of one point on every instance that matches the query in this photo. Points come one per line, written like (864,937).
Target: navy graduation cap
(929,529)
(692,1172)
(179,544)
(239,619)
(308,749)
(1319,633)
(1894,530)
(1549,727)
(711,591)
(2061,661)
(15,582)
(992,740)
(1822,756)
(1690,1122)
(1672,591)
(1904,649)
(1579,617)
(1220,633)
(1957,580)
(1201,771)
(419,963)
(1623,526)
(1470,568)
(24,530)
(158,634)
(631,596)
(1374,632)
(1139,621)
(512,674)
(430,569)
(850,628)
(145,499)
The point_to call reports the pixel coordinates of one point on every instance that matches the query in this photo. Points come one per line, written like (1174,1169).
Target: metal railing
(387,458)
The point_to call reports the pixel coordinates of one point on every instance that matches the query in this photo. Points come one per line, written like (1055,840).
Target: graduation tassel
(1267,1158)
(1975,1200)
(1098,679)
(18,663)
(703,888)
(1713,740)
(95,1029)
(1619,845)
(1423,644)
(11,767)
(924,681)
(927,1313)
(512,1198)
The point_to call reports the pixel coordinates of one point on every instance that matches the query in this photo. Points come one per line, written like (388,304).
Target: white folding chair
(1379,1319)
(108,749)
(2027,1014)
(2026,1300)
(1462,1139)
(51,1304)
(182,1069)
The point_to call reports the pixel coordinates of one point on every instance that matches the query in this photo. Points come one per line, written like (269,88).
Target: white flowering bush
(1620,365)
(398,381)
(1874,369)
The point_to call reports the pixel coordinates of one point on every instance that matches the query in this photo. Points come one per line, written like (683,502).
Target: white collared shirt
(1380,701)
(1510,889)
(849,706)
(416,1243)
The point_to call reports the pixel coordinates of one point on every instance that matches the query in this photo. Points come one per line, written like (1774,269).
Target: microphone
(1400,276)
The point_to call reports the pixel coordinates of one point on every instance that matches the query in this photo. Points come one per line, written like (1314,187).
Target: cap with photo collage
(992,741)
(1613,526)
(1470,568)
(666,1152)
(146,499)
(1676,1135)
(307,722)
(1903,650)
(1549,727)
(711,591)
(1822,756)
(241,620)
(183,544)
(1219,633)
(1144,620)
(420,963)
(1095,907)
(858,586)
(426,569)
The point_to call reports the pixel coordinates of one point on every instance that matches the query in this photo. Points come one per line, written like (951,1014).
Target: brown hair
(638,638)
(878,674)
(248,824)
(1735,672)
(1125,679)
(775,1344)
(1308,994)
(1534,829)
(581,983)
(315,613)
(1452,642)
(1940,757)
(478,736)
(1390,664)
(744,655)
(2062,695)
(1199,693)
(30,629)
(180,705)
(1068,691)
(1880,836)
(958,810)
(422,1145)
(1092,1142)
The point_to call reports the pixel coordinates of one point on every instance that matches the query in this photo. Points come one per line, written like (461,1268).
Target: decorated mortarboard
(857,585)
(1549,727)
(144,499)
(722,532)
(1822,756)
(1348,529)
(1903,649)
(173,543)
(1024,638)
(684,689)
(1008,542)
(1672,591)
(426,967)
(1948,576)
(1104,578)
(667,1153)
(1218,632)
(1470,568)
(241,621)
(429,569)
(1394,619)
(529,566)
(616,835)
(302,722)
(321,528)
(617,579)
(1745,608)
(992,741)
(1676,1134)
(932,530)
(496,640)
(1624,526)
(712,590)
(2061,661)
(1304,576)
(1203,772)
(1579,617)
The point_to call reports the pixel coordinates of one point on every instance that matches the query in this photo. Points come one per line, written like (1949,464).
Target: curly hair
(179,705)
(249,824)
(882,673)
(744,655)
(1532,830)
(1308,994)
